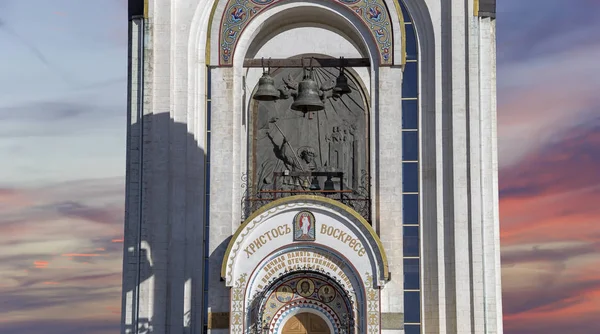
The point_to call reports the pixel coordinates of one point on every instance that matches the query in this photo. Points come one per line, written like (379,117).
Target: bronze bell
(314,185)
(329,185)
(266,89)
(341,84)
(308,98)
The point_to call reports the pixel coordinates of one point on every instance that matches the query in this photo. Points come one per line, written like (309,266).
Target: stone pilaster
(222,185)
(389,189)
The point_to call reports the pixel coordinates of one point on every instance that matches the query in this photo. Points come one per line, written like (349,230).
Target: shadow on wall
(168,247)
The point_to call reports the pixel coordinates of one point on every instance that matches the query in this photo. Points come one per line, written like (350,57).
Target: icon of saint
(305,225)
(305,288)
(327,294)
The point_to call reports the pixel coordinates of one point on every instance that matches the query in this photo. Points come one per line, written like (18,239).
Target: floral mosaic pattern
(372,306)
(238,13)
(237,302)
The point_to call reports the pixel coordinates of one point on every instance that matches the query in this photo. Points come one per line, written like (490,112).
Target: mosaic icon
(305,287)
(326,293)
(284,293)
(304,226)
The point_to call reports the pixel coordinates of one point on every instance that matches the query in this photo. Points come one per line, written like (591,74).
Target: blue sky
(63,70)
(63,90)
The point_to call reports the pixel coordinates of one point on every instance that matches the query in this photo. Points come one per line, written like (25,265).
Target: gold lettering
(344,237)
(281,230)
(302,259)
(361,252)
(273,231)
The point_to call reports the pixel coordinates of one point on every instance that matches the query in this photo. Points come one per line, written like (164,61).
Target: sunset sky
(62,142)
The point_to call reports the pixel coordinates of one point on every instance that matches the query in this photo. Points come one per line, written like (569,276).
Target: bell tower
(312,167)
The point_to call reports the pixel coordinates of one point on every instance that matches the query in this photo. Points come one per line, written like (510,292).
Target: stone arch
(297,311)
(263,218)
(378,20)
(345,279)
(328,16)
(262,252)
(295,304)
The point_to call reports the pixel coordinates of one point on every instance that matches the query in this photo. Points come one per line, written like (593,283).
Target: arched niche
(267,26)
(334,139)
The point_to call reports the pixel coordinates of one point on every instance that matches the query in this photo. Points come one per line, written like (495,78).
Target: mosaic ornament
(311,293)
(238,13)
(372,306)
(237,298)
(304,226)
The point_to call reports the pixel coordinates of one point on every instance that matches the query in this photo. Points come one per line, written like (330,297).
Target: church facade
(311,166)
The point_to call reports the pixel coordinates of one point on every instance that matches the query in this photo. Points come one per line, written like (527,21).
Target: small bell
(341,84)
(266,89)
(314,185)
(308,98)
(305,184)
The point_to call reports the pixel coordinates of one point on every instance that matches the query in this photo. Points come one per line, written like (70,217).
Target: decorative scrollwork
(253,198)
(360,199)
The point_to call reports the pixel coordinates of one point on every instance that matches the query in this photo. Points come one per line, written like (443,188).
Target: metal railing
(326,184)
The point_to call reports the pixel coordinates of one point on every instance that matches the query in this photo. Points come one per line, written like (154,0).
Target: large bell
(266,89)
(329,185)
(341,84)
(308,95)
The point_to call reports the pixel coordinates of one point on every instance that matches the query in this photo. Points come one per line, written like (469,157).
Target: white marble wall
(165,180)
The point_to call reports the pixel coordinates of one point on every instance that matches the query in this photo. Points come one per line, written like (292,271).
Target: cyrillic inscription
(260,241)
(344,237)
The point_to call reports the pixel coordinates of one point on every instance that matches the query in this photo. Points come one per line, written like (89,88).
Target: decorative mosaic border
(373,308)
(281,315)
(239,13)
(237,305)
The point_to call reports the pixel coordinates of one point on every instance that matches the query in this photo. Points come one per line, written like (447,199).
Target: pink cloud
(551,237)
(56,250)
